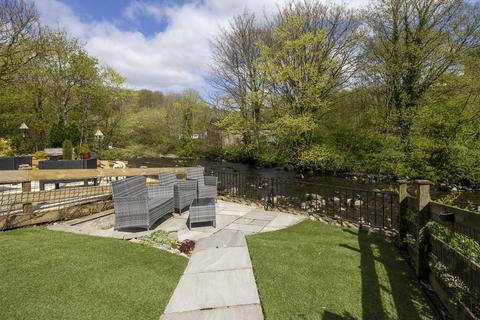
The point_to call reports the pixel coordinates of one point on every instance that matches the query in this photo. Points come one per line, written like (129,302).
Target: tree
(342,32)
(20,35)
(236,75)
(72,71)
(296,83)
(411,45)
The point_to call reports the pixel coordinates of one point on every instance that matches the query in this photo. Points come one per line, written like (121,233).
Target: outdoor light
(99,135)
(23,128)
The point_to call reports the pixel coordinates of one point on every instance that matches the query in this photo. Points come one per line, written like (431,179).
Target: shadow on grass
(327,315)
(377,253)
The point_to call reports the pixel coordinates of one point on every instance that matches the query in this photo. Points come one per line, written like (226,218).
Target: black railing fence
(378,209)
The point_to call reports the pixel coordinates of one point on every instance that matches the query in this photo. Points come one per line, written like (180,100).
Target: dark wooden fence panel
(465,222)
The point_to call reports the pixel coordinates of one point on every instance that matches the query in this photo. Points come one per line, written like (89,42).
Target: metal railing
(373,208)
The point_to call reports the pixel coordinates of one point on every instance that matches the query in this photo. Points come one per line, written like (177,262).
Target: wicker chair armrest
(184,185)
(127,199)
(211,180)
(160,191)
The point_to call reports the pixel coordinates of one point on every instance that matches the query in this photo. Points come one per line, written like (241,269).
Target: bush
(67,150)
(6,148)
(113,154)
(60,132)
(321,157)
(236,153)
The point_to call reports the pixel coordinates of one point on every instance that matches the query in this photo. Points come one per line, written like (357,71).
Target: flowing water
(301,178)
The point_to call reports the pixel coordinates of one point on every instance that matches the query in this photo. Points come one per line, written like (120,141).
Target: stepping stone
(250,312)
(223,238)
(219,259)
(214,290)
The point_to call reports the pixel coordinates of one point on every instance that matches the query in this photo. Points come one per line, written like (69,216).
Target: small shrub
(85,149)
(67,150)
(6,148)
(186,246)
(40,155)
(460,242)
(159,237)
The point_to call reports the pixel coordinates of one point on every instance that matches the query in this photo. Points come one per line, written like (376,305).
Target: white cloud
(170,60)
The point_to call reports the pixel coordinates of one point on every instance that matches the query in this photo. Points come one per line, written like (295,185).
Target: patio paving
(218,282)
(230,216)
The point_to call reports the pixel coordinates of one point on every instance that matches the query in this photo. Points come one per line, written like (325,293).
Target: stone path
(218,282)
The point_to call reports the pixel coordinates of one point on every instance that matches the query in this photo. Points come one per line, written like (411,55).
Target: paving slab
(268,229)
(185,234)
(247,312)
(284,220)
(244,227)
(259,214)
(214,290)
(244,220)
(222,239)
(218,259)
(229,212)
(173,224)
(262,223)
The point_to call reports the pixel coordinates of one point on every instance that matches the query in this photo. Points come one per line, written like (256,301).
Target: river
(279,172)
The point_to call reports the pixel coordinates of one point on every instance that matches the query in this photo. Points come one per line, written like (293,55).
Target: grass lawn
(55,275)
(318,271)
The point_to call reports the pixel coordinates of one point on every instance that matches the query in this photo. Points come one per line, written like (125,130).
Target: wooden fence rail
(19,176)
(30,207)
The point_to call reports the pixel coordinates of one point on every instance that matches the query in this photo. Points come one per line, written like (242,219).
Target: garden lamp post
(99,138)
(23,128)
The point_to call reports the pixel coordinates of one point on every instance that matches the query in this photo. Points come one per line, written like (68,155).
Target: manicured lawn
(55,275)
(318,271)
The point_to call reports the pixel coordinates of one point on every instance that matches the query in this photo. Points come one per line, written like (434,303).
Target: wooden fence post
(423,215)
(402,212)
(27,187)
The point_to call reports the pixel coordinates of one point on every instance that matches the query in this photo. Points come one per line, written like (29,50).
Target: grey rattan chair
(137,206)
(206,185)
(202,210)
(184,191)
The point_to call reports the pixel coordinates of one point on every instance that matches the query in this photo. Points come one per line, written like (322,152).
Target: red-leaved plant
(186,246)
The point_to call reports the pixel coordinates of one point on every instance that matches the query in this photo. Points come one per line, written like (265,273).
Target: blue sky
(156,44)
